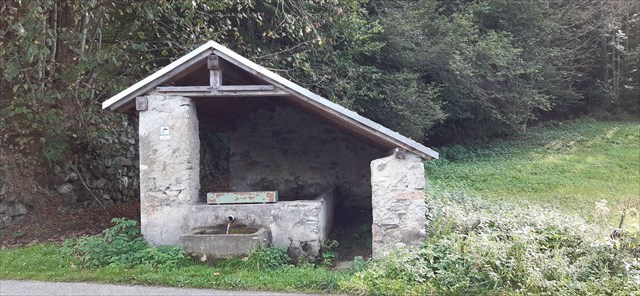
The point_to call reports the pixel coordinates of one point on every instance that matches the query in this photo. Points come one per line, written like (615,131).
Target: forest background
(441,72)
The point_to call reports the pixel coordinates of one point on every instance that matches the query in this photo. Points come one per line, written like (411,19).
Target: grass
(574,166)
(44,262)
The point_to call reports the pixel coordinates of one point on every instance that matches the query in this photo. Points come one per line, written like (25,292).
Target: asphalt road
(10,287)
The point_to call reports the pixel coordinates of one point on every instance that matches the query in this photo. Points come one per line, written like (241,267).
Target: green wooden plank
(242,197)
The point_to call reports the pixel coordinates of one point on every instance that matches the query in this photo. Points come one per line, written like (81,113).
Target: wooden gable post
(215,75)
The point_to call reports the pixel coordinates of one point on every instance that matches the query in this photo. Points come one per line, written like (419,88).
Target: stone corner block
(398,203)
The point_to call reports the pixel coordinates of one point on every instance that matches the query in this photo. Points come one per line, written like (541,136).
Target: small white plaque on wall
(165,132)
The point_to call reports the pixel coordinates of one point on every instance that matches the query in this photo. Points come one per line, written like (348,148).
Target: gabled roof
(320,105)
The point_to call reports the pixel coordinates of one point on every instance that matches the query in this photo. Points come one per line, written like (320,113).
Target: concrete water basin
(214,242)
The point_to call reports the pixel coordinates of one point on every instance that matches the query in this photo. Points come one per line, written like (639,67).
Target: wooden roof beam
(221,88)
(223,91)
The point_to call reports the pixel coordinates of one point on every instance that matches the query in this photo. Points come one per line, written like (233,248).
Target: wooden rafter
(216,89)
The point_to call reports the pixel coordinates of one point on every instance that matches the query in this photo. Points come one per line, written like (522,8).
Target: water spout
(229,220)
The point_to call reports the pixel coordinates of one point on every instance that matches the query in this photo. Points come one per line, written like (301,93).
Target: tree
(500,64)
(61,58)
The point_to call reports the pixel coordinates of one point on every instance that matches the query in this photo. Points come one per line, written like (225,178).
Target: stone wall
(398,202)
(11,209)
(108,167)
(169,167)
(327,212)
(214,162)
(111,179)
(297,154)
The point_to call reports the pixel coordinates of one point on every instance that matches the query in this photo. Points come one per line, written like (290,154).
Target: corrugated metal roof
(375,129)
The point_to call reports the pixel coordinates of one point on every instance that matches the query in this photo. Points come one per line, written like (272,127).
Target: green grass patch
(574,166)
(45,262)
(120,255)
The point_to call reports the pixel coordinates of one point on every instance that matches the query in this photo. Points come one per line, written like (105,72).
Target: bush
(477,247)
(121,245)
(267,259)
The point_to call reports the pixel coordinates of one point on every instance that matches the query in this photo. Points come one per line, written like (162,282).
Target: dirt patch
(23,179)
(52,223)
(18,176)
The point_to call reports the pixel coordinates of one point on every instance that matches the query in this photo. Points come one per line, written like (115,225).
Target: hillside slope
(586,167)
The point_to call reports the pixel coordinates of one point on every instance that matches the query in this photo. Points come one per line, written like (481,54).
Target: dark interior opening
(350,234)
(214,163)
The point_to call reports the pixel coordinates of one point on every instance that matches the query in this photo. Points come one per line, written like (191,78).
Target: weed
(19,234)
(45,262)
(329,255)
(121,245)
(358,264)
(267,259)
(328,258)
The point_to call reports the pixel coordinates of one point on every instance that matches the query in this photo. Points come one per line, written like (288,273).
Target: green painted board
(242,197)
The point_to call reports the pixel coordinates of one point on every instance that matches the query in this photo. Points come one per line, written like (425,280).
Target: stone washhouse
(315,156)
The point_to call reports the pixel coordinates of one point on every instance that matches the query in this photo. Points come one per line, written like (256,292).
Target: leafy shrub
(267,259)
(477,247)
(329,255)
(121,245)
(358,264)
(328,258)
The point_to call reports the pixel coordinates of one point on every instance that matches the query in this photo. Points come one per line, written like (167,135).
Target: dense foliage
(60,59)
(498,64)
(451,70)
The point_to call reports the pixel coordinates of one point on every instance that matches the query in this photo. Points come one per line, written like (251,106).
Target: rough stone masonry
(398,203)
(169,167)
(289,150)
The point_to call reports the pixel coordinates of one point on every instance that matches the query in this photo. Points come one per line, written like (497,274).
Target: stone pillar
(169,167)
(398,203)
